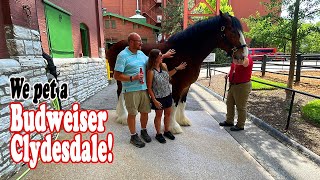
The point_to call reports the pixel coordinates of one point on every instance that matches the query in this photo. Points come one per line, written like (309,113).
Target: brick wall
(122,31)
(246,8)
(83,12)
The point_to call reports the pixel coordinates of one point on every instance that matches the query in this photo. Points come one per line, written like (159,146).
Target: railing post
(263,65)
(298,70)
(208,69)
(290,110)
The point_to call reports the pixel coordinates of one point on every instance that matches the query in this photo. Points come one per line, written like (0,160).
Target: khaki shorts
(137,101)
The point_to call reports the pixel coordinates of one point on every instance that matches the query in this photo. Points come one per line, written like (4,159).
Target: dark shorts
(165,101)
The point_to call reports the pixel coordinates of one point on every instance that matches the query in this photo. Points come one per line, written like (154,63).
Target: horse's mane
(201,30)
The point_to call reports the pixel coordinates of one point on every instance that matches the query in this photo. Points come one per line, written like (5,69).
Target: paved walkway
(203,151)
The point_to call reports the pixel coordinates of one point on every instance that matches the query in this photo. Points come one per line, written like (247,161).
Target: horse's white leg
(121,111)
(174,126)
(182,118)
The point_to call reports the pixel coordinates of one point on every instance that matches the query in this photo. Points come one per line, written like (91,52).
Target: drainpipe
(101,50)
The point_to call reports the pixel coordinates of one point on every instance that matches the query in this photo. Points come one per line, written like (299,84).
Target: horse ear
(222,15)
(225,17)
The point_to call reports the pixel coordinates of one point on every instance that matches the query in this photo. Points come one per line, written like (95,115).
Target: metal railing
(286,89)
(299,66)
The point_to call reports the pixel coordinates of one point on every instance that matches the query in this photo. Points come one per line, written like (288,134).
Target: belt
(238,83)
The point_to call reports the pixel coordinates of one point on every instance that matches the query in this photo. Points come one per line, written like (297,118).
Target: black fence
(274,107)
(215,68)
(269,60)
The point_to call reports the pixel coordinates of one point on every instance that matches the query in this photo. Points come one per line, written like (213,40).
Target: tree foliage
(273,30)
(291,30)
(224,7)
(173,17)
(173,14)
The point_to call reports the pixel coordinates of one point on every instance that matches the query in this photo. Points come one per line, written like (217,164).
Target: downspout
(101,50)
(121,8)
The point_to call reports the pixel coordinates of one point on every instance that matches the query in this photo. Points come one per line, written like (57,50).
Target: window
(110,23)
(135,26)
(144,40)
(113,24)
(107,24)
(59,31)
(85,40)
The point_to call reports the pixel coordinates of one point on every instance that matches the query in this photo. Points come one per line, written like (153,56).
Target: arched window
(85,40)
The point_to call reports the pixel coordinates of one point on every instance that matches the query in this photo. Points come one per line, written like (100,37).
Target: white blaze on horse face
(243,42)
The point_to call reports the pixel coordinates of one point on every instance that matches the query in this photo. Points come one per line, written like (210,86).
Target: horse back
(115,49)
(113,52)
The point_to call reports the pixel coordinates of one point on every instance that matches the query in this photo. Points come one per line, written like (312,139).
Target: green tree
(224,7)
(173,14)
(289,30)
(173,17)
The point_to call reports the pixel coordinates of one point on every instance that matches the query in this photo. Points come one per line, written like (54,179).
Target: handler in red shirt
(238,94)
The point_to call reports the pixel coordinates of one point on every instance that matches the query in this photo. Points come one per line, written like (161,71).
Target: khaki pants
(238,95)
(137,101)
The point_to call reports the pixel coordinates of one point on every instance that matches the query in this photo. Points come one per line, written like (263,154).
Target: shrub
(311,111)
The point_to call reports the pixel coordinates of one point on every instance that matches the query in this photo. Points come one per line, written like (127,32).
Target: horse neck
(199,44)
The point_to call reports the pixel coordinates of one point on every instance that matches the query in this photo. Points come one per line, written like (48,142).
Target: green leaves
(173,14)
(273,30)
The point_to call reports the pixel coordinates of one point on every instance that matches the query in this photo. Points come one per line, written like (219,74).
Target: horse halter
(233,49)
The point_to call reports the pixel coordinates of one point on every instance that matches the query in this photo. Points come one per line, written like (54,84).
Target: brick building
(151,10)
(122,18)
(118,27)
(73,38)
(246,8)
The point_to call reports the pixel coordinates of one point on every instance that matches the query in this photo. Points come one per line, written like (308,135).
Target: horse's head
(232,39)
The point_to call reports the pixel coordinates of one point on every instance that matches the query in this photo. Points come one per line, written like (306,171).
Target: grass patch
(259,86)
(311,111)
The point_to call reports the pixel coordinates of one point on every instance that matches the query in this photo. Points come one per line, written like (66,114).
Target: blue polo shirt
(129,64)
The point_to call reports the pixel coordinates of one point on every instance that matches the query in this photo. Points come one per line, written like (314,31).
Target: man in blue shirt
(127,70)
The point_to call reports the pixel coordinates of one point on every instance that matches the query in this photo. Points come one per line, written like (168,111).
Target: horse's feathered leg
(119,85)
(174,126)
(181,118)
(121,110)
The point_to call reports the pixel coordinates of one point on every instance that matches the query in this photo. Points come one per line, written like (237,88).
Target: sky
(317,19)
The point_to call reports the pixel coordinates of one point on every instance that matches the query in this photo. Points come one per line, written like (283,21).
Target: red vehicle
(257,53)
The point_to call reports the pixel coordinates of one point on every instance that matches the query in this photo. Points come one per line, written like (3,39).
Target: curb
(274,132)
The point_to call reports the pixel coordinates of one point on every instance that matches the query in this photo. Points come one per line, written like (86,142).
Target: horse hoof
(121,120)
(176,130)
(185,122)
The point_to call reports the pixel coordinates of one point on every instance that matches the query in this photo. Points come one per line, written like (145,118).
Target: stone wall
(85,77)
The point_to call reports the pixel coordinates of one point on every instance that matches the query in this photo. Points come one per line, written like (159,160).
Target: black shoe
(236,128)
(135,140)
(145,136)
(160,138)
(169,135)
(224,123)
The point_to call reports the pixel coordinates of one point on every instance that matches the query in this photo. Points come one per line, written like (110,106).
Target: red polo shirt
(239,73)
